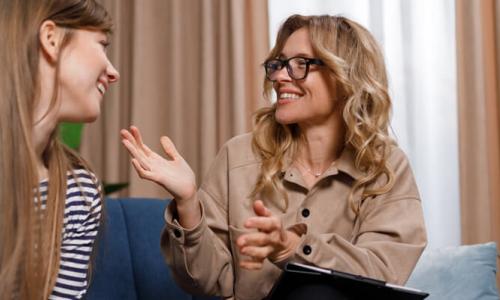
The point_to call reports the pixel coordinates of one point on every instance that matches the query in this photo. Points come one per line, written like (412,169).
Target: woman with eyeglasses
(319,181)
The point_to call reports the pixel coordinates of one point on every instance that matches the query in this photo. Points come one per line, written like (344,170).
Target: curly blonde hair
(356,68)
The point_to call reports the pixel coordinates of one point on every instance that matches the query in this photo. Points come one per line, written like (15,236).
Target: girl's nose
(112,73)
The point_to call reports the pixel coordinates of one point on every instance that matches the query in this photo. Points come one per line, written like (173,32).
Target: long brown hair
(356,67)
(30,237)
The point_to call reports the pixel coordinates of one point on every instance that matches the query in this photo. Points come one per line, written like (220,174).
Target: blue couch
(129,264)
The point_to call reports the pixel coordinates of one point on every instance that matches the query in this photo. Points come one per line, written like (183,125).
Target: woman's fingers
(169,147)
(258,244)
(266,224)
(136,154)
(143,173)
(133,142)
(133,135)
(123,133)
(257,253)
(269,239)
(251,264)
(137,134)
(260,209)
(175,176)
(264,221)
(254,239)
(138,138)
(132,150)
(126,135)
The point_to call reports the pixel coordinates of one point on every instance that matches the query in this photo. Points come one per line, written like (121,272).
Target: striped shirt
(82,215)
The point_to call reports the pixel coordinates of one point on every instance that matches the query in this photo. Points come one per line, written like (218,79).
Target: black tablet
(348,286)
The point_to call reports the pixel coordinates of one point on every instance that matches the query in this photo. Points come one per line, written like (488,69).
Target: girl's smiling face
(85,75)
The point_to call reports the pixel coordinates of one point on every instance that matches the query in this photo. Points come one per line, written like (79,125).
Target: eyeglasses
(297,67)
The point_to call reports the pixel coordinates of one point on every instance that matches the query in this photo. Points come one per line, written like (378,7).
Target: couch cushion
(144,218)
(463,272)
(112,275)
(129,264)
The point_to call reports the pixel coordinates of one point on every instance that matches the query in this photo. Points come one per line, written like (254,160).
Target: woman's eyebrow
(301,54)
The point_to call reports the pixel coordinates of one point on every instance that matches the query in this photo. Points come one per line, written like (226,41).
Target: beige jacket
(384,241)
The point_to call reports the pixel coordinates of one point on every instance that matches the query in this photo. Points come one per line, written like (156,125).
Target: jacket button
(307,249)
(177,233)
(305,212)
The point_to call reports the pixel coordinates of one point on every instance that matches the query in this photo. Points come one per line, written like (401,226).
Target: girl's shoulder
(83,175)
(81,181)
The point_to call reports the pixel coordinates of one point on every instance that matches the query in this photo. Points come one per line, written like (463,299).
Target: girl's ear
(50,36)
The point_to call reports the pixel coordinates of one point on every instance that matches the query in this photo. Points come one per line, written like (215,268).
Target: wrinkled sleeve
(200,258)
(388,238)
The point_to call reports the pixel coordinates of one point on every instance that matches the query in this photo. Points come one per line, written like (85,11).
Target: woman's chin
(282,120)
(285,118)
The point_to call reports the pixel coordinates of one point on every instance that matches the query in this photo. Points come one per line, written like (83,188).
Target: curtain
(478,37)
(190,70)
(418,40)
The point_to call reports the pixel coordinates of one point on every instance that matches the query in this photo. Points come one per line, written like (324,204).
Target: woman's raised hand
(271,240)
(172,172)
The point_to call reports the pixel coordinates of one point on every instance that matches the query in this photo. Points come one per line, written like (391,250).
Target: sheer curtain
(418,40)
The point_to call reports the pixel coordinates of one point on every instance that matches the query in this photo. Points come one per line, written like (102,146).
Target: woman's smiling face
(310,100)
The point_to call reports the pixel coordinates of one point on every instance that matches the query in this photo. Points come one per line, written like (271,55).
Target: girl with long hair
(54,69)
(319,181)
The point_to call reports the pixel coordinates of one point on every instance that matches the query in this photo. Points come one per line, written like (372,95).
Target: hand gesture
(271,240)
(172,172)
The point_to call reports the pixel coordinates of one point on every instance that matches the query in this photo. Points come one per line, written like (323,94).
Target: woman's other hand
(172,172)
(270,240)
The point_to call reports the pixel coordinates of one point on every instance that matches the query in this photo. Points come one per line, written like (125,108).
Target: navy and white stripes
(82,215)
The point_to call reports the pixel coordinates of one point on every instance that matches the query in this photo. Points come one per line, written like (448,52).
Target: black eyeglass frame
(285,63)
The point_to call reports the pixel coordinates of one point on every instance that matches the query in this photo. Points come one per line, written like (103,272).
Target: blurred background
(191,69)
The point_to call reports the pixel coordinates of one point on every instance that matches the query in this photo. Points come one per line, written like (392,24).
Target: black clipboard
(350,286)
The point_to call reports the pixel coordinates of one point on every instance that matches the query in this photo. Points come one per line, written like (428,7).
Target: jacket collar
(345,164)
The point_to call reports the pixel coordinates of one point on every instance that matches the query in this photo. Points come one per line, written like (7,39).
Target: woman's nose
(282,75)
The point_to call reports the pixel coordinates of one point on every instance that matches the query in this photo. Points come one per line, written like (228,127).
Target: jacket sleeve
(200,258)
(388,238)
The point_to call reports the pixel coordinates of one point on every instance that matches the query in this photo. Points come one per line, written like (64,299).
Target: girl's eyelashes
(104,44)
